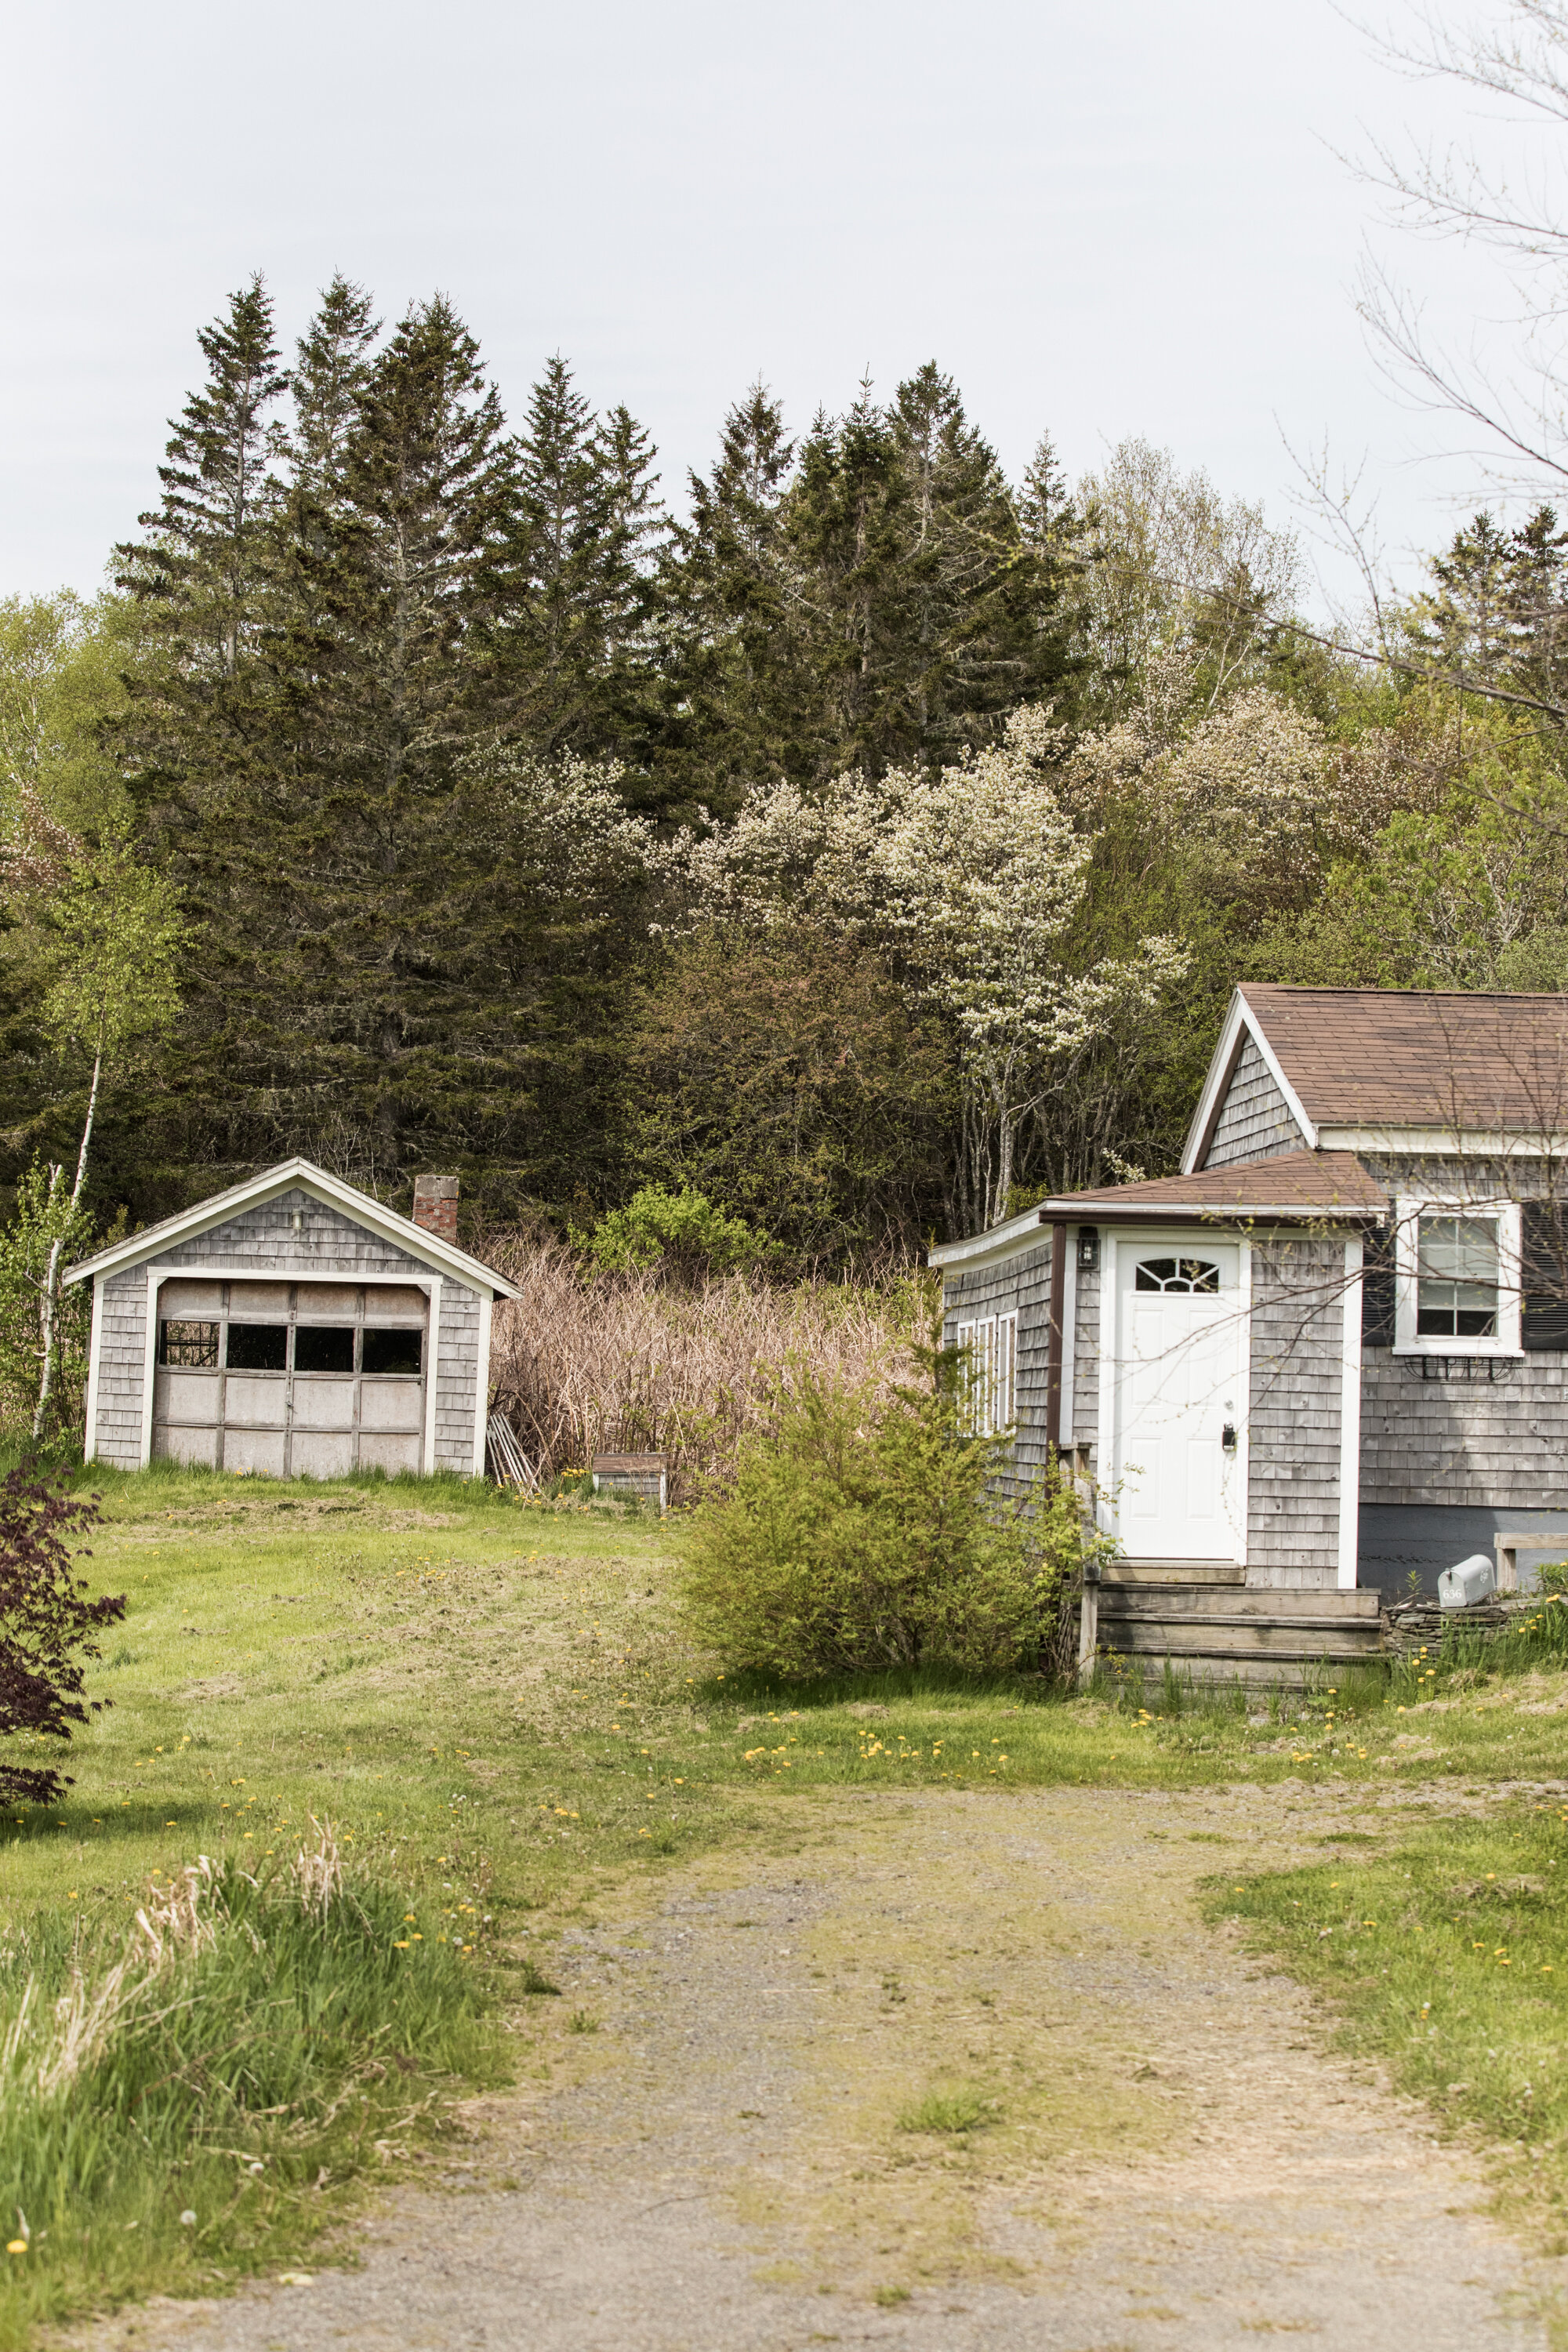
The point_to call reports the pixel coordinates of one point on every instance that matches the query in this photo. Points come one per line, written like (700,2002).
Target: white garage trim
(150,1362)
(304,1176)
(94,1338)
(482,1385)
(433,1286)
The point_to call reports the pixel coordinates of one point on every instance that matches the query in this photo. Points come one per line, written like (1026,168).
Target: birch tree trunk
(50,1303)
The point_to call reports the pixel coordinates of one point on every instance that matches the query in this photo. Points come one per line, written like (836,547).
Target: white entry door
(1179,1398)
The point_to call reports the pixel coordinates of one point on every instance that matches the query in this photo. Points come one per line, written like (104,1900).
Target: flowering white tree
(968,882)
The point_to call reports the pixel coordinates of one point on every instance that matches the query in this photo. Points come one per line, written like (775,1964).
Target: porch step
(1247,1634)
(1171,1571)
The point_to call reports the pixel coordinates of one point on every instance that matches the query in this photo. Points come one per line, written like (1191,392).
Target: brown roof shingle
(1406,1058)
(1297,1183)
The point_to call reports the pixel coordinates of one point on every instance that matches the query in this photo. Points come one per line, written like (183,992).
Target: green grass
(952,2111)
(178,2119)
(1444,1955)
(494,1704)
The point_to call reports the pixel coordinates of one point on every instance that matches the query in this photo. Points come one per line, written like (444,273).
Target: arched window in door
(1180,1274)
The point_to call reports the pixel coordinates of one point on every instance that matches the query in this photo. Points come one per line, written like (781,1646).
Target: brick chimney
(436,1205)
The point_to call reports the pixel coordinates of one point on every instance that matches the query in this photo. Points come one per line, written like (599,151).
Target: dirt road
(1166,2160)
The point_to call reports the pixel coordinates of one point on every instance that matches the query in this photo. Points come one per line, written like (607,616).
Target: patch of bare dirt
(748,2153)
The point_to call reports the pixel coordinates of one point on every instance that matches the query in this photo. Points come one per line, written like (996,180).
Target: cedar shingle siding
(1464,1431)
(1293,1455)
(1255,1121)
(262,1240)
(1020,1284)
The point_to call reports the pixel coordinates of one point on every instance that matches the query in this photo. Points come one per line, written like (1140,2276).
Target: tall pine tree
(202,568)
(744,701)
(576,595)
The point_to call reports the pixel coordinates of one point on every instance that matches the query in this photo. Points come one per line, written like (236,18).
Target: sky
(1128,218)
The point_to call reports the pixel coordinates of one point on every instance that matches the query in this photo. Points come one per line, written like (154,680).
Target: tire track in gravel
(1168,2157)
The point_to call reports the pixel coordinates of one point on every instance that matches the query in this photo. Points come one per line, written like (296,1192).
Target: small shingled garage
(295,1327)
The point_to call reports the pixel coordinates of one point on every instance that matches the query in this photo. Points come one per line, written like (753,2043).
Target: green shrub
(682,1233)
(860,1535)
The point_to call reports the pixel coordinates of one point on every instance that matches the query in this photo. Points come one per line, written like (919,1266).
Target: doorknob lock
(1227,1437)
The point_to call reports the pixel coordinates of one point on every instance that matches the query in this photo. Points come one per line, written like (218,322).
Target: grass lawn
(492,1704)
(1444,1952)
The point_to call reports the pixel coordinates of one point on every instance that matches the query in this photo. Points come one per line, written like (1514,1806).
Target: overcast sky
(1105,220)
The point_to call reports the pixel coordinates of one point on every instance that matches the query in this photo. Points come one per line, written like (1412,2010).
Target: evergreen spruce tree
(575,598)
(624,716)
(743,700)
(322,874)
(202,567)
(331,375)
(849,516)
(1538,603)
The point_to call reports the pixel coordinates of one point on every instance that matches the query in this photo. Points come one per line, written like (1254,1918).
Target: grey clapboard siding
(1500,1441)
(1293,1454)
(1255,1121)
(1020,1284)
(263,1240)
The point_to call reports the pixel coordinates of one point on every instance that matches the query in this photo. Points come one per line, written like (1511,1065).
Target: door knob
(1227,1437)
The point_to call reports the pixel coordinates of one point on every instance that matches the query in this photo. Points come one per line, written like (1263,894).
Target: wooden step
(1285,1642)
(1252,1602)
(1172,1571)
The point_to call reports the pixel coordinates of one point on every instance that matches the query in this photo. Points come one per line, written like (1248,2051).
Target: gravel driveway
(1165,2158)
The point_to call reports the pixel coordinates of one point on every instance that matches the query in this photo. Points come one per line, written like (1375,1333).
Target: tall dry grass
(587,1363)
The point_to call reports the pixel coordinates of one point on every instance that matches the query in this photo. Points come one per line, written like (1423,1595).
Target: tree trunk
(50,1304)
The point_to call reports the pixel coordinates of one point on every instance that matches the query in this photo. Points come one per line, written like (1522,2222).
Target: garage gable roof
(304,1176)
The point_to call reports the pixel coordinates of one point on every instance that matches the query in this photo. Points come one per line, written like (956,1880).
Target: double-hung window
(1458,1278)
(992,1341)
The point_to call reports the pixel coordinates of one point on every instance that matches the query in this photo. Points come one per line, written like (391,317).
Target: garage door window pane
(323,1348)
(258,1347)
(191,1344)
(393,1352)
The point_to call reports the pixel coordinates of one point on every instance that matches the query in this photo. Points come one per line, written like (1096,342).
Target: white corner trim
(1105,1510)
(1244,1403)
(433,1380)
(1350,1417)
(1408,1210)
(150,1362)
(1068,1315)
(94,1348)
(482,1386)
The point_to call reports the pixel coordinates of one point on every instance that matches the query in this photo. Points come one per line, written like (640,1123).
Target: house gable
(1254,1120)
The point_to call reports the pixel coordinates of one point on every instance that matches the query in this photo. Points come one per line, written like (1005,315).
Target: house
(1330,1356)
(293,1327)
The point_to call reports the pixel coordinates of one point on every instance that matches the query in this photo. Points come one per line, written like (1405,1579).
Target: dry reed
(586,1362)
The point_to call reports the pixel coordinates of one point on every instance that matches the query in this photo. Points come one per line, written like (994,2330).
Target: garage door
(295,1379)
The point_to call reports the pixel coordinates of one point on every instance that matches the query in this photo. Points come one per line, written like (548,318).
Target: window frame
(992,1342)
(1505,1216)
